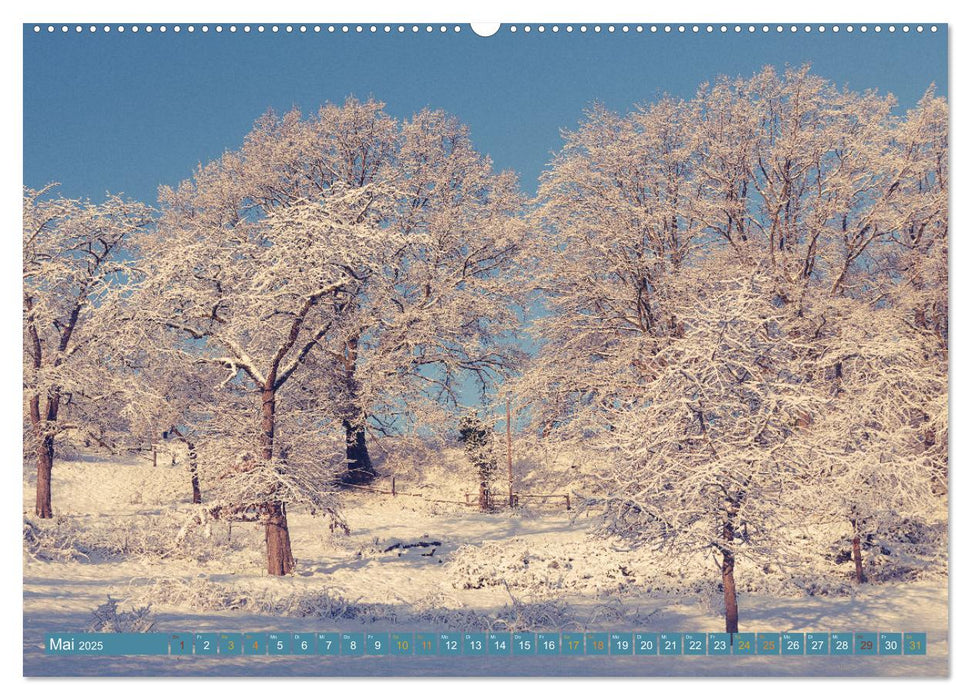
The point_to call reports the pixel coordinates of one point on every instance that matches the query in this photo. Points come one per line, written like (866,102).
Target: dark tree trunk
(279,556)
(360,470)
(193,462)
(42,423)
(731,599)
(45,464)
(194,472)
(858,560)
(512,497)
(858,576)
(44,451)
(485,498)
(728,578)
(940,485)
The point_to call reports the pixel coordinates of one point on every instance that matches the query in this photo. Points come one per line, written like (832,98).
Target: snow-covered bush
(478,439)
(203,594)
(107,618)
(175,535)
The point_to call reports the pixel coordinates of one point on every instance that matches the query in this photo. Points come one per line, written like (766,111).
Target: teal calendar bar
(669,644)
(645,644)
(279,644)
(621,644)
(302,643)
(743,643)
(841,643)
(328,643)
(474,644)
(138,644)
(426,644)
(695,644)
(865,644)
(767,644)
(597,644)
(793,644)
(206,644)
(180,644)
(571,643)
(352,644)
(230,644)
(500,644)
(891,643)
(376,644)
(817,643)
(402,643)
(523,643)
(548,643)
(719,644)
(450,644)
(254,644)
(511,644)
(915,643)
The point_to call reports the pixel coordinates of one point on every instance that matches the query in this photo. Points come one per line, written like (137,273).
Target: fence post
(394,490)
(512,502)
(484,497)
(567,496)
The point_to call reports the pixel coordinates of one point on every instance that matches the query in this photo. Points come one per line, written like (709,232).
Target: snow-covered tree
(345,262)
(919,258)
(876,467)
(712,266)
(614,229)
(77,270)
(255,296)
(435,309)
(923,238)
(845,204)
(169,396)
(706,449)
(814,181)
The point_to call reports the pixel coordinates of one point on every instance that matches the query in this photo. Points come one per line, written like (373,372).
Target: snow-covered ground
(117,534)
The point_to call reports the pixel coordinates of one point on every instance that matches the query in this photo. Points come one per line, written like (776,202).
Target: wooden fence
(487,500)
(517,497)
(394,492)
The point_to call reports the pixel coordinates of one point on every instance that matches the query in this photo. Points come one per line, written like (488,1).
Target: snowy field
(119,533)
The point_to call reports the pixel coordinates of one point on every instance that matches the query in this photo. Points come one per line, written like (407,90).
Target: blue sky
(128,112)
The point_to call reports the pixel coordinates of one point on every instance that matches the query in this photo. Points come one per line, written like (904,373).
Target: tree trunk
(192,460)
(858,560)
(728,576)
(731,599)
(485,498)
(45,463)
(360,469)
(279,556)
(194,472)
(44,450)
(859,576)
(509,451)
